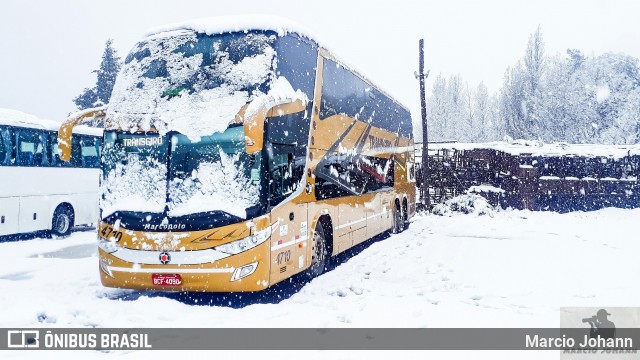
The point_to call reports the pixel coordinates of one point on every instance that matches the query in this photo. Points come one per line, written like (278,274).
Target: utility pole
(426,200)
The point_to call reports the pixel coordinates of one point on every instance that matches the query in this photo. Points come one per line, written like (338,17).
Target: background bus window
(53,146)
(55,154)
(6,146)
(44,141)
(30,151)
(90,152)
(76,152)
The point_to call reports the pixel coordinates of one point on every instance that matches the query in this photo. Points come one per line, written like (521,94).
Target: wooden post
(426,200)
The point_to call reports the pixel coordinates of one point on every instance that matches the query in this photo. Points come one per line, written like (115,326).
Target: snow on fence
(535,176)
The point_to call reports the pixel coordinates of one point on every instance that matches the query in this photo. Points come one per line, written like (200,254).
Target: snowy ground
(515,269)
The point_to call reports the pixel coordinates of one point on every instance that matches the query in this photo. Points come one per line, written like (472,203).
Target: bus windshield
(134,173)
(214,173)
(150,179)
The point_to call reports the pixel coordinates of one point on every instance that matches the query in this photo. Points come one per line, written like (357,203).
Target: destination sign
(142,141)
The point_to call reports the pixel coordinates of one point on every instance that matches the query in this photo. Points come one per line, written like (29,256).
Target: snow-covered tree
(569,98)
(458,125)
(523,91)
(458,112)
(106,76)
(482,122)
(534,61)
(513,102)
(437,109)
(590,99)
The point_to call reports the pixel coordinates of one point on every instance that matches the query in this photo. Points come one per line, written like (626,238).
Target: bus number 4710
(108,233)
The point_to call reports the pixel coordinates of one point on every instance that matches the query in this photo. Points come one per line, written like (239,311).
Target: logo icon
(601,326)
(165,258)
(23,338)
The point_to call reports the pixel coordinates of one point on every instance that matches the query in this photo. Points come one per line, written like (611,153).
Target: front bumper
(219,275)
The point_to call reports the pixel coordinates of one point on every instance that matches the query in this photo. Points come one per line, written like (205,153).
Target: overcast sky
(49,48)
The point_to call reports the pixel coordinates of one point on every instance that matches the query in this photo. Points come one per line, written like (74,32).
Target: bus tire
(405,214)
(62,221)
(320,255)
(398,224)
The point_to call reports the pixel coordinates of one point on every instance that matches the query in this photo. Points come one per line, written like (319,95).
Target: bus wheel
(62,221)
(405,214)
(319,259)
(398,223)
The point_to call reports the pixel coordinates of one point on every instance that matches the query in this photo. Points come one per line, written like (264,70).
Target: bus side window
(5,146)
(43,146)
(55,154)
(76,151)
(90,152)
(297,61)
(99,149)
(282,179)
(53,150)
(98,146)
(29,148)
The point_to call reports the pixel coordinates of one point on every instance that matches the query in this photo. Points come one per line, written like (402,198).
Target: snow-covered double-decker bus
(38,191)
(239,153)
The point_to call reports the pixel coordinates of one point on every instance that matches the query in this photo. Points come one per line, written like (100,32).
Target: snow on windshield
(191,83)
(220,185)
(137,185)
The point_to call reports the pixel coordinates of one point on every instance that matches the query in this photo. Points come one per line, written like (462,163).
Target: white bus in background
(38,191)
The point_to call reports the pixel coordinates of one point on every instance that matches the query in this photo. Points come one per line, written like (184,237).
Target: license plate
(166,279)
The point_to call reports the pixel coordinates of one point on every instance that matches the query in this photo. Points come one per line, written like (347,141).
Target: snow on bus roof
(242,23)
(536,148)
(238,23)
(18,118)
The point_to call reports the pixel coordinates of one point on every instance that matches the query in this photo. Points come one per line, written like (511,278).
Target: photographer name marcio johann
(69,340)
(587,342)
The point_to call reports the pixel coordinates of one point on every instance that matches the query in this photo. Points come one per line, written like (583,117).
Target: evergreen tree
(438,109)
(513,102)
(107,73)
(99,95)
(483,128)
(87,99)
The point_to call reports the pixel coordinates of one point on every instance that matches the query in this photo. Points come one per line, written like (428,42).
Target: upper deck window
(190,82)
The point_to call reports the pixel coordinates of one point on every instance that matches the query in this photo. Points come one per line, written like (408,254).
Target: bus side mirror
(66,129)
(254,129)
(255,114)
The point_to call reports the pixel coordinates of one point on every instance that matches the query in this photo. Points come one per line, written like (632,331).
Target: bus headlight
(104,266)
(107,246)
(244,271)
(244,244)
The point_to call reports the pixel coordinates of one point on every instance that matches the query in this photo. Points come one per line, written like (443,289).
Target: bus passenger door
(289,237)
(9,211)
(34,213)
(289,241)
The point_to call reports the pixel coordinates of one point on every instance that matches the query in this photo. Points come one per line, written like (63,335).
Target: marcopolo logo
(21,339)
